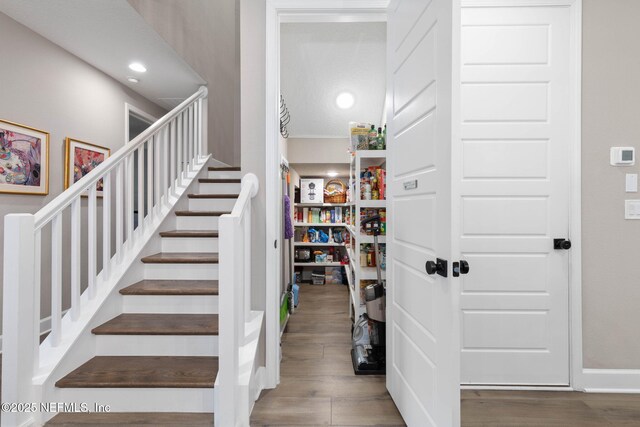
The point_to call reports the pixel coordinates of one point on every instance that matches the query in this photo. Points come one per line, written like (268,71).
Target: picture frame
(80,158)
(24,159)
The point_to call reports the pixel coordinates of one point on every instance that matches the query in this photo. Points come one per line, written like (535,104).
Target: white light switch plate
(631,184)
(632,209)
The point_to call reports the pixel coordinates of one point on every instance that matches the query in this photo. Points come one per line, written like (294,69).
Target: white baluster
(76,256)
(165,163)
(149,186)
(140,152)
(199,130)
(190,138)
(128,197)
(179,139)
(106,226)
(119,216)
(196,131)
(204,144)
(172,143)
(37,280)
(56,280)
(156,170)
(92,241)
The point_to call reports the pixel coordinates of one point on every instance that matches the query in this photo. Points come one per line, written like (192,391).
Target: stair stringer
(79,344)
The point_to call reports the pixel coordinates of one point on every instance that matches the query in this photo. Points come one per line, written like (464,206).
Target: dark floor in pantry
(318,387)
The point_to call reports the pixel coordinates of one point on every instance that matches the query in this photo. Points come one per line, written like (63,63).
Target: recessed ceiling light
(132,80)
(345,100)
(332,174)
(138,67)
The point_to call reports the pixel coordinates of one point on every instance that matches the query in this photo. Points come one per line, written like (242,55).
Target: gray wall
(611,244)
(205,34)
(46,87)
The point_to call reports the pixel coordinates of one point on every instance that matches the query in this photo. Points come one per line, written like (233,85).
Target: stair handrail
(64,199)
(168,155)
(235,305)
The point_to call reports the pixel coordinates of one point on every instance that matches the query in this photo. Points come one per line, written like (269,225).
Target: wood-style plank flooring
(318,386)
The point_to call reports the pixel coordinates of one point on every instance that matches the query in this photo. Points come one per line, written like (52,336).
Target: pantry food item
(359,136)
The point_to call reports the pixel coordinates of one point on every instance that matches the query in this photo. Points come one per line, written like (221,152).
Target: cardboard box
(312,191)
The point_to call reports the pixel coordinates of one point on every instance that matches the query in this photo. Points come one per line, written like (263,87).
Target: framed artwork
(24,159)
(80,159)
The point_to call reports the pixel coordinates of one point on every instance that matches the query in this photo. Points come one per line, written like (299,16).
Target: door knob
(461,267)
(561,244)
(431,267)
(439,266)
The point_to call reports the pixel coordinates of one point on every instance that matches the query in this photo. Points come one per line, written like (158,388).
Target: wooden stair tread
(182,258)
(172,287)
(212,196)
(143,372)
(219,181)
(159,324)
(189,233)
(201,213)
(131,419)
(225,169)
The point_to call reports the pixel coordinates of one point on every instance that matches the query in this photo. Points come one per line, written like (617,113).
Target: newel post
(21,307)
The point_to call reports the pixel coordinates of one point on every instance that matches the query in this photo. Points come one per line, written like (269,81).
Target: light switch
(631,185)
(632,209)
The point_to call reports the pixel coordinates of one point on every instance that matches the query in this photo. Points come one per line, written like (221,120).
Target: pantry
(333,142)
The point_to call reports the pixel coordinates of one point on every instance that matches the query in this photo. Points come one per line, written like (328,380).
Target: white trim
(278,11)
(576,360)
(519,3)
(132,109)
(515,388)
(611,380)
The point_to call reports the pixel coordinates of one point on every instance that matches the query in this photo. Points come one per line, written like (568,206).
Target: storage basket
(335,192)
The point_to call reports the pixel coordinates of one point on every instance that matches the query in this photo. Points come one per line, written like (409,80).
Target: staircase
(166,338)
(152,320)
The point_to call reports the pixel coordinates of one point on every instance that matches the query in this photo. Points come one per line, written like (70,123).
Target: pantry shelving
(368,197)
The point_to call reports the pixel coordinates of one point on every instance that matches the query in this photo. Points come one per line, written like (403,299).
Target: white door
(515,193)
(423,370)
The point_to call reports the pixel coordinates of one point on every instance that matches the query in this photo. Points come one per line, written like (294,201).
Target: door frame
(135,111)
(576,375)
(277,12)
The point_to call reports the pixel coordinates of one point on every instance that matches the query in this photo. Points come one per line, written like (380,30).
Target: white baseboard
(45,327)
(611,380)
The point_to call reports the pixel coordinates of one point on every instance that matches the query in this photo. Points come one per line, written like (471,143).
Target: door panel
(514,194)
(423,366)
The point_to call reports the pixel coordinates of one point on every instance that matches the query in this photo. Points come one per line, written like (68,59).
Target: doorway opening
(136,122)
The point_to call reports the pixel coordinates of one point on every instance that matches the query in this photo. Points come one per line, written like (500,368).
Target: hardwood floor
(318,386)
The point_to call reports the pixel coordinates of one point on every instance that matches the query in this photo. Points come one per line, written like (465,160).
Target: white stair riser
(224,174)
(224,205)
(181,271)
(156,345)
(189,244)
(140,399)
(217,188)
(197,222)
(166,304)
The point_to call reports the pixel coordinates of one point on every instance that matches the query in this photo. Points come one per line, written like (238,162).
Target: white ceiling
(321,60)
(110,34)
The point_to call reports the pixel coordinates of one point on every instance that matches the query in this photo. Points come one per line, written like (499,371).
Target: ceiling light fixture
(132,80)
(345,100)
(137,67)
(332,174)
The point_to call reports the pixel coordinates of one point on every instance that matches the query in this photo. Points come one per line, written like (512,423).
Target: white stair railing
(235,306)
(165,154)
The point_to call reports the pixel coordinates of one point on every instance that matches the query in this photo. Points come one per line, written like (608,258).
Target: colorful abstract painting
(82,158)
(24,156)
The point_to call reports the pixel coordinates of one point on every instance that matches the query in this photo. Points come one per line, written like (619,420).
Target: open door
(423,331)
